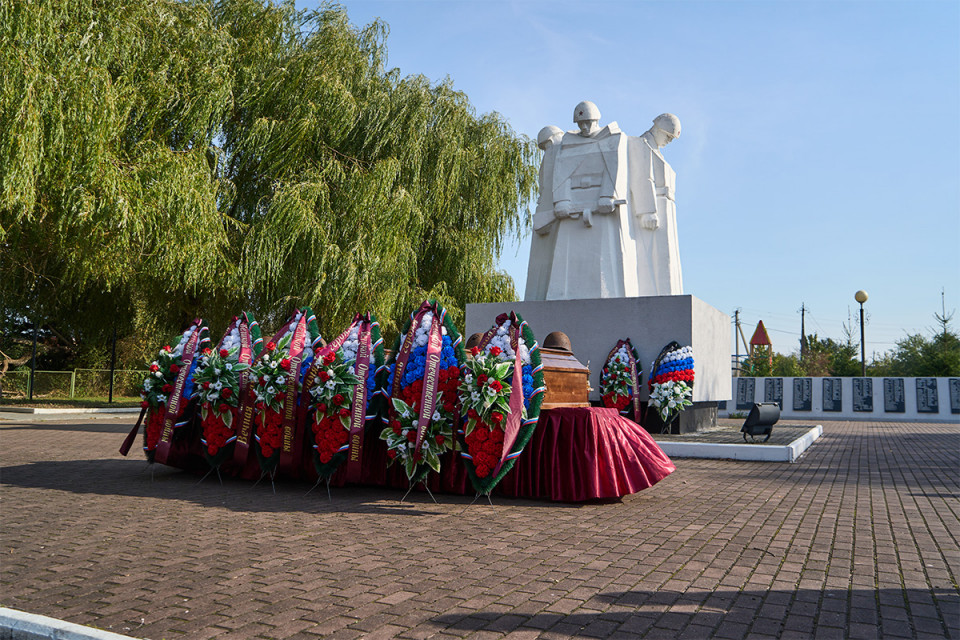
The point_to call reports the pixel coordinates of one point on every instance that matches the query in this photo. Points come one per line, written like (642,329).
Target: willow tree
(170,158)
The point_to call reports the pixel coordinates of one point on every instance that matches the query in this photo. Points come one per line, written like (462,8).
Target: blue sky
(820,151)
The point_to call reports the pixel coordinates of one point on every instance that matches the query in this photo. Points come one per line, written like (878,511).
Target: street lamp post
(861,297)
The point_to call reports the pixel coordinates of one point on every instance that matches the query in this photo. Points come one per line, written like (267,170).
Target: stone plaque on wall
(862,394)
(746,392)
(893,395)
(803,394)
(927,401)
(832,394)
(773,391)
(954,385)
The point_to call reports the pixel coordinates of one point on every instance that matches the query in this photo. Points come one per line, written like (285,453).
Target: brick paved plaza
(859,539)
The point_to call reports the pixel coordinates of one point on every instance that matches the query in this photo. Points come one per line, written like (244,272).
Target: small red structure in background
(761,339)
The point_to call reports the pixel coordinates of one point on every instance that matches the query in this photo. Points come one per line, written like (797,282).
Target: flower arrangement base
(317,484)
(207,474)
(413,485)
(267,474)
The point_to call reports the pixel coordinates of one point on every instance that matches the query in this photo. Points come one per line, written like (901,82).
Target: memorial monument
(605,258)
(605,224)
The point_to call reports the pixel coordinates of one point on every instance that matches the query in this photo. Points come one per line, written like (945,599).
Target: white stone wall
(595,325)
(916,406)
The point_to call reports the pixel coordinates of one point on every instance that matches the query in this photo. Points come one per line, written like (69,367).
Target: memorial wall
(889,399)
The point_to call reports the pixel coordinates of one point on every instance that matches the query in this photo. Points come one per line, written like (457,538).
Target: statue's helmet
(668,123)
(586,110)
(548,133)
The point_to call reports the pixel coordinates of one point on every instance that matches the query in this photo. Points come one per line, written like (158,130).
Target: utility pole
(803,331)
(736,338)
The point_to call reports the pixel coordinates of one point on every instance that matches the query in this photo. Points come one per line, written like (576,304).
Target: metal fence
(79,383)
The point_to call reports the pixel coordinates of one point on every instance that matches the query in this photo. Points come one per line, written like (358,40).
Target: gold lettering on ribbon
(290,404)
(246,418)
(173,409)
(429,394)
(355,447)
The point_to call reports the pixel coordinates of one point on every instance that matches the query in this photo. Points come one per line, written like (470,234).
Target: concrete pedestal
(700,417)
(595,325)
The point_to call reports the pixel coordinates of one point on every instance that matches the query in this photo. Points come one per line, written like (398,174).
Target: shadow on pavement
(138,479)
(854,613)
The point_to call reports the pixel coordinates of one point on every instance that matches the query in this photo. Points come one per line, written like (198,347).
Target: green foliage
(758,364)
(166,159)
(917,355)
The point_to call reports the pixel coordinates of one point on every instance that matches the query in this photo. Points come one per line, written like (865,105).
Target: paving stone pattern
(856,540)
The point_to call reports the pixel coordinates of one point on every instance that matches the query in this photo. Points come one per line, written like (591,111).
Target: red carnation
(496,386)
(412,435)
(417,457)
(144,404)
(475,351)
(226,392)
(472,414)
(174,368)
(344,412)
(285,363)
(224,353)
(497,417)
(166,348)
(440,440)
(495,351)
(322,408)
(167,388)
(481,379)
(206,385)
(448,407)
(271,346)
(396,428)
(154,368)
(324,376)
(223,408)
(338,399)
(392,453)
(482,471)
(329,358)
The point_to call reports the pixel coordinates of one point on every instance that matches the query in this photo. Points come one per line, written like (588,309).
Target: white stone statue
(605,223)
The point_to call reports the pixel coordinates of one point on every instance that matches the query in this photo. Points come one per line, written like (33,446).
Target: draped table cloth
(575,454)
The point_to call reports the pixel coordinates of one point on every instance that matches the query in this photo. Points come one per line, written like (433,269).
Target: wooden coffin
(566,378)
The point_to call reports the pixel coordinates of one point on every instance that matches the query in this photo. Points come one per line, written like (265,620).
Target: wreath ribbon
(175,407)
(292,442)
(512,429)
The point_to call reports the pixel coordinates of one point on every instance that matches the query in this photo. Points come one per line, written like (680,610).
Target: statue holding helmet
(605,222)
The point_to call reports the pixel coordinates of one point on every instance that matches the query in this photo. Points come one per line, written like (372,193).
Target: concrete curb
(67,410)
(19,625)
(758,453)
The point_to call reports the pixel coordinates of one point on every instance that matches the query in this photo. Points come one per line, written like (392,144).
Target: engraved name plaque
(893,395)
(927,401)
(746,392)
(832,394)
(773,391)
(863,394)
(954,385)
(803,394)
